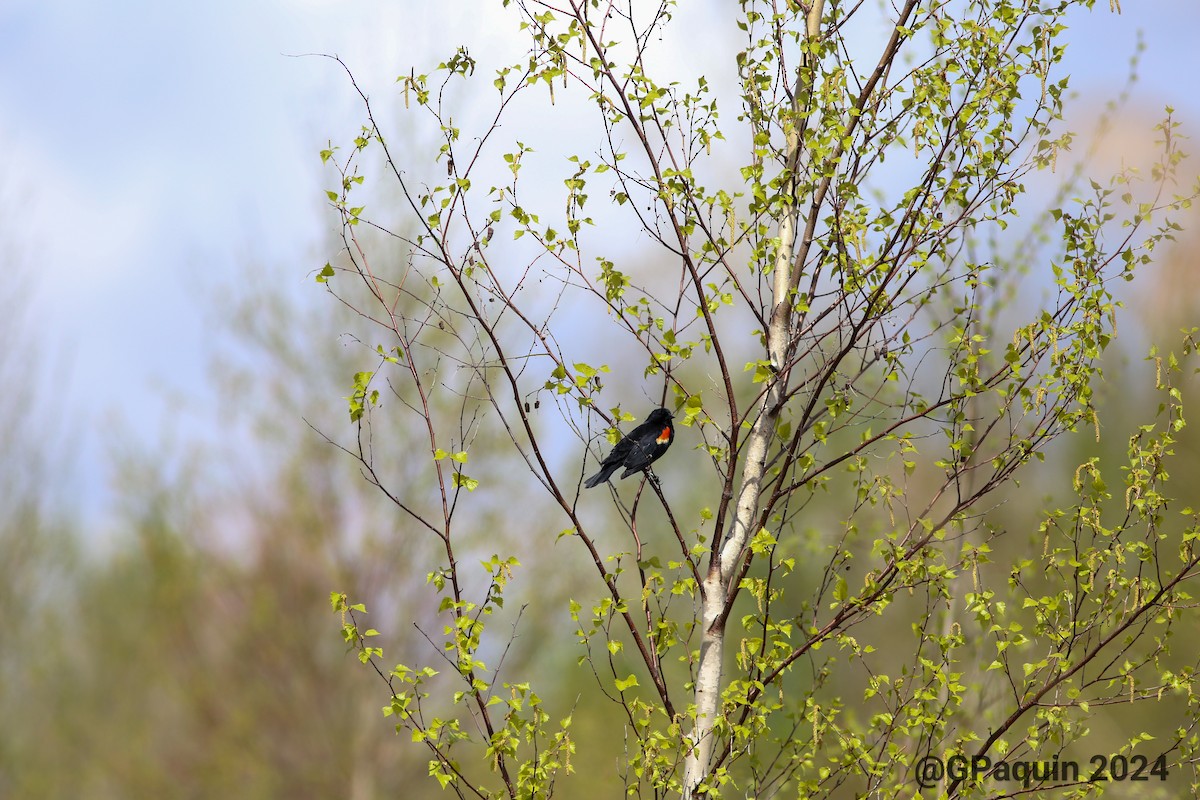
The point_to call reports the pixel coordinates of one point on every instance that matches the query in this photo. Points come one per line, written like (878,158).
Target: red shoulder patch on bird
(664,437)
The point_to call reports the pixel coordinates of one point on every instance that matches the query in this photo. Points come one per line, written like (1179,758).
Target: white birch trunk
(723,568)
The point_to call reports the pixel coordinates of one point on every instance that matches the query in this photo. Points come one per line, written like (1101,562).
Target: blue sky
(158,148)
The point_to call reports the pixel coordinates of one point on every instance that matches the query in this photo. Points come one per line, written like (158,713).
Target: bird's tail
(600,477)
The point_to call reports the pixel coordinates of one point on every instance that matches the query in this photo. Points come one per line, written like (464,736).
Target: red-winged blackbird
(638,450)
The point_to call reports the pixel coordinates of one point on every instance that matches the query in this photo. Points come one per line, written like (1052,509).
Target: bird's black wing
(612,462)
(641,453)
(619,452)
(649,442)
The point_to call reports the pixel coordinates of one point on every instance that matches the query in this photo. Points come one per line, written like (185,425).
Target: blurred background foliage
(184,646)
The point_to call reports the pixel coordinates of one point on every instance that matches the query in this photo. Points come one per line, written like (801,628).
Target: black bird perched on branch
(638,450)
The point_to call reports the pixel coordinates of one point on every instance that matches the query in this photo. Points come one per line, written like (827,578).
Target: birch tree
(867,325)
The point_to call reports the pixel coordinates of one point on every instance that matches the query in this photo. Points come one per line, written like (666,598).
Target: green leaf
(459,479)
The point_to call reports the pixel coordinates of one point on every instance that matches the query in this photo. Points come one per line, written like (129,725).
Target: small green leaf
(459,479)
(629,682)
